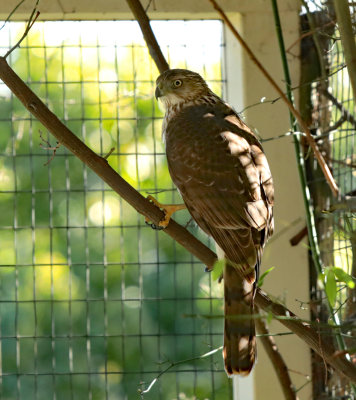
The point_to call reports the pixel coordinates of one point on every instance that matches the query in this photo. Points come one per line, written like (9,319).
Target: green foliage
(342,276)
(330,287)
(263,276)
(218,269)
(330,278)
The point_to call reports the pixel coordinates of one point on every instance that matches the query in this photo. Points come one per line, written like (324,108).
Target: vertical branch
(306,194)
(144,22)
(347,38)
(314,67)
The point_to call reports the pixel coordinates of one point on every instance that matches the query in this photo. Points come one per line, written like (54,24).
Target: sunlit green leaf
(218,269)
(269,318)
(321,277)
(330,287)
(262,277)
(343,276)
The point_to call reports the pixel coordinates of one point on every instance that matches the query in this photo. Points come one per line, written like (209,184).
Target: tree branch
(323,165)
(33,17)
(175,364)
(276,358)
(306,332)
(139,12)
(100,165)
(345,114)
(344,22)
(12,13)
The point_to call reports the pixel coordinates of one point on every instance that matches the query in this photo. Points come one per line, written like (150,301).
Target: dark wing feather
(222,173)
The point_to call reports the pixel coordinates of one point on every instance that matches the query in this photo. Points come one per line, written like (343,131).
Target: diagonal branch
(155,51)
(276,358)
(323,165)
(11,13)
(345,114)
(310,335)
(33,17)
(101,167)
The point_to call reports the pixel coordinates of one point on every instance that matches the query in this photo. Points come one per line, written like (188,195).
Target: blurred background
(94,303)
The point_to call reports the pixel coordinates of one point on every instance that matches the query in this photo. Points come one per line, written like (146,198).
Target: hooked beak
(158,93)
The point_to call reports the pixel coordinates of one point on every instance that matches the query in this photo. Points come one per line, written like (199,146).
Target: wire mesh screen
(332,114)
(94,303)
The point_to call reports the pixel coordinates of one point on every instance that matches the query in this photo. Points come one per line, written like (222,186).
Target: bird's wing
(222,173)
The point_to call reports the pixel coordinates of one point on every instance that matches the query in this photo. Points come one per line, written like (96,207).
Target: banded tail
(239,332)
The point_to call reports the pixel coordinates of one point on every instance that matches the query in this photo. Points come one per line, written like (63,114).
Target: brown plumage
(219,167)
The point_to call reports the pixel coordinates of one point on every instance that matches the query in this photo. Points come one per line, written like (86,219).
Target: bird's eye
(177,83)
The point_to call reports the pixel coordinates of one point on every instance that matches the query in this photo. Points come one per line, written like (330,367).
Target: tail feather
(239,335)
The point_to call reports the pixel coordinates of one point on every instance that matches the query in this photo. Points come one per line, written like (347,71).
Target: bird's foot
(168,209)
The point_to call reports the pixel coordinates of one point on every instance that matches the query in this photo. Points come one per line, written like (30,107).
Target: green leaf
(343,276)
(321,279)
(218,269)
(262,277)
(269,317)
(330,287)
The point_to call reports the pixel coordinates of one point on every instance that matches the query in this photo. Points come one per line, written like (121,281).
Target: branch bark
(276,358)
(144,22)
(311,336)
(101,167)
(343,17)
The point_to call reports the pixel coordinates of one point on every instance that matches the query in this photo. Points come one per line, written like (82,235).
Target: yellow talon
(168,209)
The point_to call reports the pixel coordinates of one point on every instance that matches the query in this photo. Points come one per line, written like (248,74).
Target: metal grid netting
(93,303)
(334,122)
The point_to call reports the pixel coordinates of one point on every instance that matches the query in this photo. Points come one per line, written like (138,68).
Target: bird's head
(177,86)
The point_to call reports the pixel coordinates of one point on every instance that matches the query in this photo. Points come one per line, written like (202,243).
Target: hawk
(222,174)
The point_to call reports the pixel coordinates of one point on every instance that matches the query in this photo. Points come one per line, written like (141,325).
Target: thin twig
(323,165)
(149,5)
(276,359)
(325,134)
(152,44)
(309,33)
(344,112)
(11,13)
(320,327)
(348,163)
(49,147)
(272,101)
(303,386)
(174,364)
(298,237)
(33,17)
(109,153)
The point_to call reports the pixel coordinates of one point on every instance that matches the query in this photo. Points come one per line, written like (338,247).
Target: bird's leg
(168,210)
